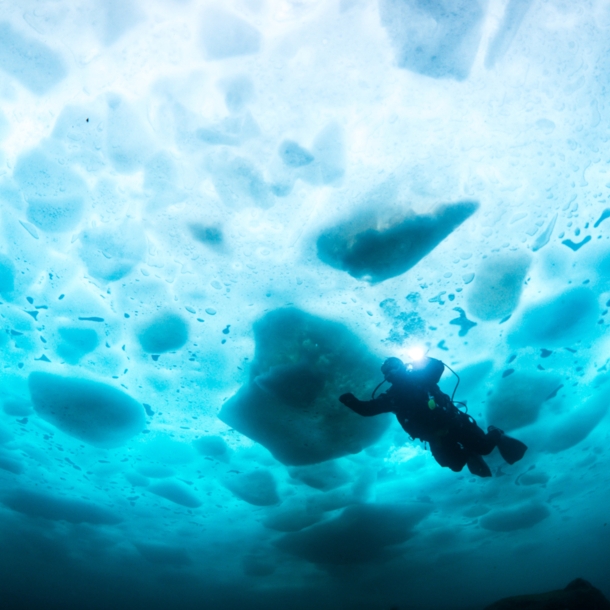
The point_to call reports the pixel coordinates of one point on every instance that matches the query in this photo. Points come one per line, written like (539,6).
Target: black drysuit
(428,414)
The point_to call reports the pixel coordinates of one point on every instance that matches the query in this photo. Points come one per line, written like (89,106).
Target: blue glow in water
(219,217)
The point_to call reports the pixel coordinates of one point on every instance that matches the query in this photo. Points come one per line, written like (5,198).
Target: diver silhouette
(428,414)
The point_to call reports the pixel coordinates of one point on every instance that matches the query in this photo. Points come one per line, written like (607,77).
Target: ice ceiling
(218,217)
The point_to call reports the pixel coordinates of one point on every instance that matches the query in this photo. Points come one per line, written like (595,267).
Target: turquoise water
(216,218)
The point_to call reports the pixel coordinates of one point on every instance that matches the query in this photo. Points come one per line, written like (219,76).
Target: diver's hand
(348,399)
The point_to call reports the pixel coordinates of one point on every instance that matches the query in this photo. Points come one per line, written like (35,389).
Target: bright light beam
(416,353)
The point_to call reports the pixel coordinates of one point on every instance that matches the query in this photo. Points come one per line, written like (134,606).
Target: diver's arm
(381,404)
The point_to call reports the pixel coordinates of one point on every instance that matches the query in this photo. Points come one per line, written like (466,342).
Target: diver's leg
(449,455)
(474,438)
(478,466)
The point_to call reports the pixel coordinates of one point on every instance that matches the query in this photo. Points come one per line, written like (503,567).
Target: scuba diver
(428,414)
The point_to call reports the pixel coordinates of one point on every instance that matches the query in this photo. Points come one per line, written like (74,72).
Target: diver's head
(393,368)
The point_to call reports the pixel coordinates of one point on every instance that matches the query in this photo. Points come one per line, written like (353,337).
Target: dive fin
(511,449)
(477,466)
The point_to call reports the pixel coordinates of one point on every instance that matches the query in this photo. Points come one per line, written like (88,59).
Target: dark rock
(578,595)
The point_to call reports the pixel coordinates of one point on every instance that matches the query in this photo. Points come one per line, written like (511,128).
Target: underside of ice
(372,250)
(217,217)
(290,404)
(88,410)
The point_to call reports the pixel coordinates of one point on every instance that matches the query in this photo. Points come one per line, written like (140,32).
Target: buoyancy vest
(421,408)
